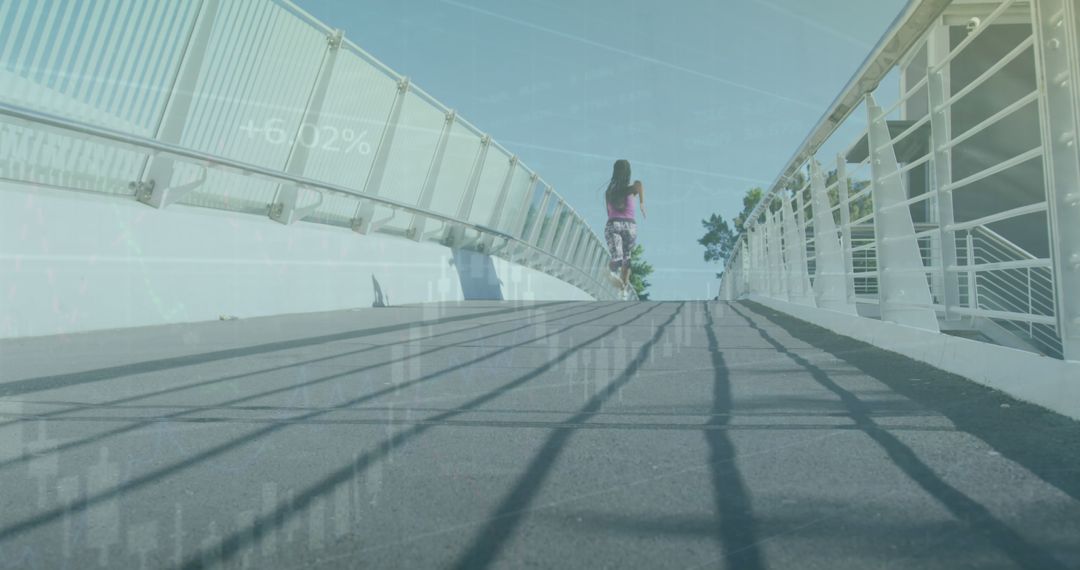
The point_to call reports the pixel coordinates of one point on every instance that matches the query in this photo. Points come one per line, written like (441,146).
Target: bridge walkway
(499,434)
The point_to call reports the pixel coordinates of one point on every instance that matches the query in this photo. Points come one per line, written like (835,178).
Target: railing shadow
(177,416)
(141,481)
(1043,442)
(736,527)
(52,382)
(511,511)
(896,371)
(229,547)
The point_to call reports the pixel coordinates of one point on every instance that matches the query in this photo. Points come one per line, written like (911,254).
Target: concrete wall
(72,261)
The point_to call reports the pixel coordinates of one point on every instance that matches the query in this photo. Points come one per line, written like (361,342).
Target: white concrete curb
(1048,382)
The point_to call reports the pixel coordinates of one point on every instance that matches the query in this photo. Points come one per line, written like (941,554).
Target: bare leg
(626,275)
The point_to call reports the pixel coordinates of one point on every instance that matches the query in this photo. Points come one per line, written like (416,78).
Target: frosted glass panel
(516,202)
(491,180)
(104,63)
(419,128)
(457,166)
(342,144)
(242,108)
(47,157)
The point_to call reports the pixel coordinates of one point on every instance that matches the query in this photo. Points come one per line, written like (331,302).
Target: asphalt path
(520,435)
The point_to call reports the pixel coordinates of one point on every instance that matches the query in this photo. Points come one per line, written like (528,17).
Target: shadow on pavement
(514,507)
(896,371)
(163,472)
(231,545)
(736,527)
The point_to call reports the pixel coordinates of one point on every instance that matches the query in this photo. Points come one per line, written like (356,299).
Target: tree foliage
(720,238)
(639,270)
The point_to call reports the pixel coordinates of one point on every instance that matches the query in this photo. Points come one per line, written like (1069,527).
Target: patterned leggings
(620,236)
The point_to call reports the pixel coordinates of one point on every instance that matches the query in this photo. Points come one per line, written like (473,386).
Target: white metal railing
(258,107)
(922,214)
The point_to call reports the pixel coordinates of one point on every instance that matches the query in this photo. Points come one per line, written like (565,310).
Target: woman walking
(621,229)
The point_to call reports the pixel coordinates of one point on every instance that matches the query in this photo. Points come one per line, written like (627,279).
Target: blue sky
(706,98)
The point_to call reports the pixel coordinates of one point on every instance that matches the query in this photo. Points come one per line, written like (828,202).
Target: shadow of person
(381,300)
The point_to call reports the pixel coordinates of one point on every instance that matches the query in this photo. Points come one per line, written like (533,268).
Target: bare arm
(639,189)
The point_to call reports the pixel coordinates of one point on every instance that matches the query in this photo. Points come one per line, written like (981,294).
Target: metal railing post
(427,193)
(795,256)
(455,235)
(940,135)
(777,277)
(903,293)
(537,225)
(830,288)
(500,203)
(549,239)
(843,185)
(362,222)
(154,184)
(1057,45)
(973,290)
(283,209)
(518,229)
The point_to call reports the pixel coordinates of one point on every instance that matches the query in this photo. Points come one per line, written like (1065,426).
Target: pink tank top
(626,214)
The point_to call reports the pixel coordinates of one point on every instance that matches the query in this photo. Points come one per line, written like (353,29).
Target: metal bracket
(142,190)
(282,212)
(151,194)
(377,225)
(334,40)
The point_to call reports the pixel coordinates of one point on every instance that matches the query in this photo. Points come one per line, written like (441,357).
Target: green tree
(749,201)
(718,240)
(639,270)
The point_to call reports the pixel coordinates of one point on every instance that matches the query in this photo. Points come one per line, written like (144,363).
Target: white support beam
(537,225)
(830,280)
(778,282)
(760,261)
(284,209)
(904,294)
(488,241)
(427,193)
(940,135)
(843,185)
(362,223)
(517,229)
(154,186)
(798,277)
(1057,52)
(549,239)
(455,234)
(744,266)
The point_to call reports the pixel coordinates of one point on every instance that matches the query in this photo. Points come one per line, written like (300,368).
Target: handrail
(142,143)
(902,34)
(1001,240)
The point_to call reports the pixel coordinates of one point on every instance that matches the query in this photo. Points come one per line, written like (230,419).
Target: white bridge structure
(257,109)
(955,209)
(235,251)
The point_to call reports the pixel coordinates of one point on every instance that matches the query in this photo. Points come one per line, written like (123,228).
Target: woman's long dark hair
(619,187)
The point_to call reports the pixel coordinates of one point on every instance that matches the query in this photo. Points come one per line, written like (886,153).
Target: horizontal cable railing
(942,210)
